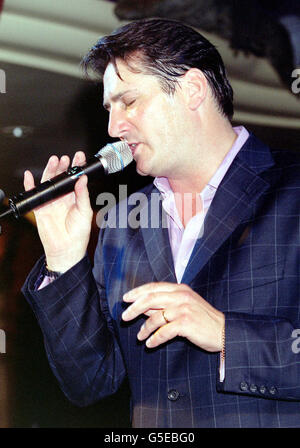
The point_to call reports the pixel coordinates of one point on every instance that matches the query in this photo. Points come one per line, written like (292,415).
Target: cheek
(170,125)
(138,117)
(133,112)
(159,118)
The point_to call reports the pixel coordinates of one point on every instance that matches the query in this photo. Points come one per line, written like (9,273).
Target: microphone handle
(55,187)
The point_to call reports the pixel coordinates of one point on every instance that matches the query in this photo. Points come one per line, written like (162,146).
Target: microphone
(112,158)
(2,195)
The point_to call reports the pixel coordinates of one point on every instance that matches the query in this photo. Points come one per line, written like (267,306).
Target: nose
(118,124)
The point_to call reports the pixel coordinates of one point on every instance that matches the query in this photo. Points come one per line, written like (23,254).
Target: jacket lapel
(242,186)
(156,238)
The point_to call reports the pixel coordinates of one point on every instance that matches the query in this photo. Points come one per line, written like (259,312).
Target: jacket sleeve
(262,357)
(81,346)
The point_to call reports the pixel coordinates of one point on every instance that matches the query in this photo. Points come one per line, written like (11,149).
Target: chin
(141,173)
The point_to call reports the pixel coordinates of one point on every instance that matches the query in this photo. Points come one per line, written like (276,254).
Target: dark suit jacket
(246,264)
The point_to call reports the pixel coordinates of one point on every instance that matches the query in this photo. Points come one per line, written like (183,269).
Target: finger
(50,169)
(163,334)
(63,164)
(153,300)
(160,318)
(135,293)
(28,180)
(79,159)
(151,324)
(55,166)
(82,196)
(150,312)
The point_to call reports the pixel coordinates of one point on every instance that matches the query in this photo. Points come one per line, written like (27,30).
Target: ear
(196,86)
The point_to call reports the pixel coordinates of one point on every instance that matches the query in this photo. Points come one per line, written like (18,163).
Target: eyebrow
(117,97)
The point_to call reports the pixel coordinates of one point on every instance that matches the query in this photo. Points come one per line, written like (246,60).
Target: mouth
(133,147)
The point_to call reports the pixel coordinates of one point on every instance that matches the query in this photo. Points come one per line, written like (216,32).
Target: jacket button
(262,389)
(272,390)
(253,388)
(173,395)
(243,386)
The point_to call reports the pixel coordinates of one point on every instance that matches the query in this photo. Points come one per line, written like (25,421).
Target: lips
(133,147)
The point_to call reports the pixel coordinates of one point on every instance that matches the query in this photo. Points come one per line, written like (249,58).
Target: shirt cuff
(45,282)
(222,368)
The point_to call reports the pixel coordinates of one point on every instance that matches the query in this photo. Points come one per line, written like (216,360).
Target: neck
(211,151)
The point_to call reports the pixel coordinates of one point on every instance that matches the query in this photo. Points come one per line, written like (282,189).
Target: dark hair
(167,49)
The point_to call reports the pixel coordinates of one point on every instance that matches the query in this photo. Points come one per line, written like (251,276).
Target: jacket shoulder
(287,164)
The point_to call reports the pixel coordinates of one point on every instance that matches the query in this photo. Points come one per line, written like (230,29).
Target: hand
(64,224)
(175,310)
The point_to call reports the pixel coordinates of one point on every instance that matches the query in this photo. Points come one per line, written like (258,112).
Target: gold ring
(163,313)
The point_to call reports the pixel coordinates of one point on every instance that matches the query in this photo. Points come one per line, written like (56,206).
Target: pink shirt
(182,240)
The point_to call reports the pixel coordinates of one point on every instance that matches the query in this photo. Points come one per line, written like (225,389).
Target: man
(200,316)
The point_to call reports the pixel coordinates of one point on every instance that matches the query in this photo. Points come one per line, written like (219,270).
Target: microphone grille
(117,156)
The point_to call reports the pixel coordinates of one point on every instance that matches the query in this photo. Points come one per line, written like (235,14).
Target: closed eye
(129,103)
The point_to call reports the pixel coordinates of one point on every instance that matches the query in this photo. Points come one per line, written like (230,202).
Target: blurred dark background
(48,108)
